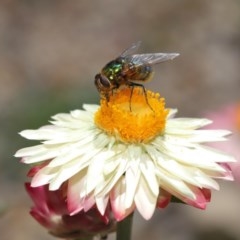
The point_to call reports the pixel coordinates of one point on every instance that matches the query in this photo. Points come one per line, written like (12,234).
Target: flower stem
(124,228)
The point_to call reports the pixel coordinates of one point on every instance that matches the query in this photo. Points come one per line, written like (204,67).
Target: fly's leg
(132,85)
(106,97)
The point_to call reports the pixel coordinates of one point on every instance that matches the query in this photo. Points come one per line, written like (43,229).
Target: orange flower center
(132,116)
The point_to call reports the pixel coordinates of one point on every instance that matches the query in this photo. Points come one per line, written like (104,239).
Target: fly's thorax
(113,70)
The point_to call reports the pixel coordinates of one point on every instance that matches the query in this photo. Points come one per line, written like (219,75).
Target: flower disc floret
(132,116)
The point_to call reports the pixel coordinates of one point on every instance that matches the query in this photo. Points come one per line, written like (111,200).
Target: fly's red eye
(102,81)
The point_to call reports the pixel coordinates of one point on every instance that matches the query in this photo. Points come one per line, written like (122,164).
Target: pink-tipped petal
(203,196)
(102,203)
(75,185)
(132,176)
(118,201)
(164,199)
(56,201)
(39,197)
(228,174)
(34,170)
(235,167)
(88,202)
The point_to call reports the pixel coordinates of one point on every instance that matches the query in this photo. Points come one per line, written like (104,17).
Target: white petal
(95,171)
(28,151)
(191,175)
(91,107)
(89,145)
(144,199)
(217,155)
(77,197)
(39,134)
(44,176)
(70,136)
(197,136)
(172,113)
(148,171)
(118,198)
(187,123)
(192,156)
(112,162)
(70,152)
(76,184)
(110,181)
(132,177)
(203,136)
(44,156)
(73,167)
(75,124)
(101,203)
(82,115)
(62,117)
(76,119)
(172,184)
(206,181)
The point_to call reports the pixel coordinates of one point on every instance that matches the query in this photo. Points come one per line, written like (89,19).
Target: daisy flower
(127,158)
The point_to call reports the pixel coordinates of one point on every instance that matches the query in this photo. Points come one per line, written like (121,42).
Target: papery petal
(145,200)
(75,194)
(39,198)
(235,169)
(118,201)
(43,176)
(102,203)
(35,169)
(203,196)
(164,199)
(132,177)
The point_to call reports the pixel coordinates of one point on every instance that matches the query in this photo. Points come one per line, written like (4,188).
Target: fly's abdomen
(140,73)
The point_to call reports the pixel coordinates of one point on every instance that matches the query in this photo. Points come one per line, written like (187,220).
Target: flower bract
(50,210)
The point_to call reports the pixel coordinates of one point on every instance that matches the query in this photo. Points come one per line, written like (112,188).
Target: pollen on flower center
(138,120)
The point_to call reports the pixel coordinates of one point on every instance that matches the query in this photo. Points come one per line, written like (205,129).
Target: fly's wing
(151,58)
(132,49)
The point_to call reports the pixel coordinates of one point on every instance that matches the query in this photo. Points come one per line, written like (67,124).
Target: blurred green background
(50,52)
